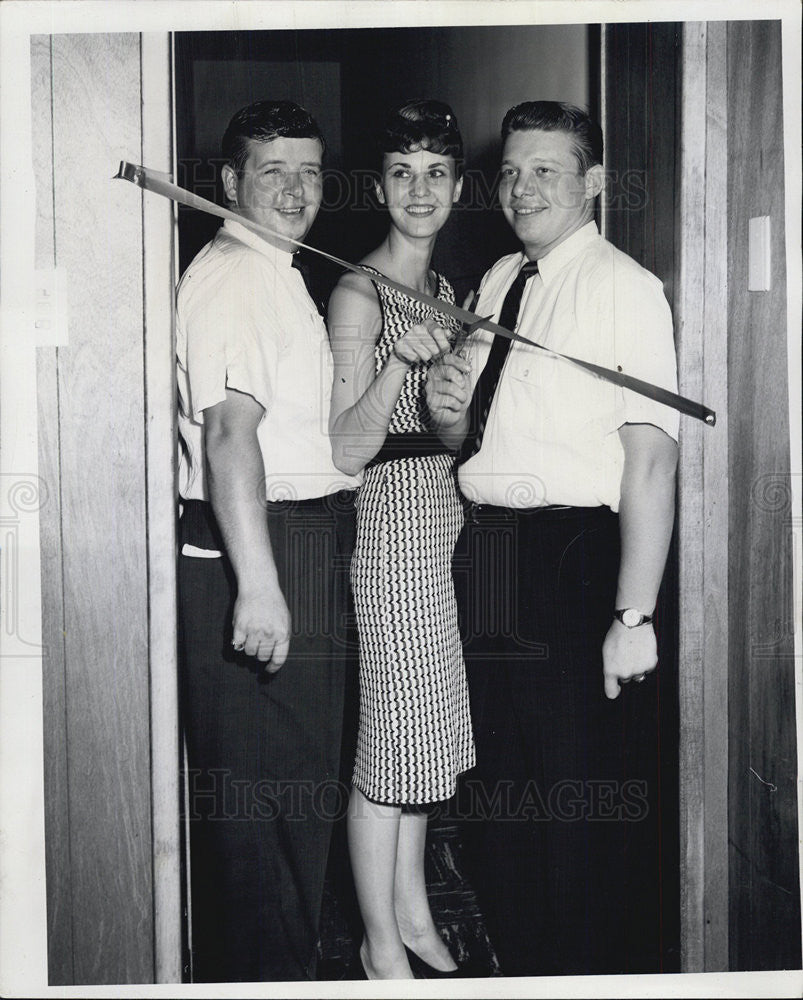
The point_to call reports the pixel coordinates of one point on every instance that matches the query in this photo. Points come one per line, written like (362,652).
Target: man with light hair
(577,475)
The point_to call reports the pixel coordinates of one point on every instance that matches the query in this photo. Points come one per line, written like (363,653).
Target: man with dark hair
(263,121)
(575,478)
(264,515)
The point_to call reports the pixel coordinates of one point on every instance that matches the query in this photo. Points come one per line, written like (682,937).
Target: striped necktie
(485,388)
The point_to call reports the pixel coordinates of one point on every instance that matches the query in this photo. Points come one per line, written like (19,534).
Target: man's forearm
(646,517)
(236,489)
(261,620)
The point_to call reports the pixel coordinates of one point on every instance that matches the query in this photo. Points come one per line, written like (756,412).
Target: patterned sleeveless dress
(414,735)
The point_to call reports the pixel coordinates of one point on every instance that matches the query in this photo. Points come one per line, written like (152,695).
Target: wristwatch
(631,618)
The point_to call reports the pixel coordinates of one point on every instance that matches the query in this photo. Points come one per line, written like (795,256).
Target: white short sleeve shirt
(551,435)
(245,321)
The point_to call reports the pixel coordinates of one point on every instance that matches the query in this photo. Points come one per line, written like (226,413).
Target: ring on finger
(639,679)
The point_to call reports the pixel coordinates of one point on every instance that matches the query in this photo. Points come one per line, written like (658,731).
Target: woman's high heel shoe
(470,969)
(356,969)
(423,970)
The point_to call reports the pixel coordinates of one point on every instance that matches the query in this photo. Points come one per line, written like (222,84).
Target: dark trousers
(564,801)
(263,749)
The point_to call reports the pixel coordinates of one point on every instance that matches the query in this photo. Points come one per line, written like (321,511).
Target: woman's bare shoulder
(354,305)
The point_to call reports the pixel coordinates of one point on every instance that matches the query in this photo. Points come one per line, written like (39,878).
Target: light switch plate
(758,278)
(51,317)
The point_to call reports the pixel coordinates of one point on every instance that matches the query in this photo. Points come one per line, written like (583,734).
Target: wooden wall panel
(98,240)
(765,901)
(57,838)
(716,508)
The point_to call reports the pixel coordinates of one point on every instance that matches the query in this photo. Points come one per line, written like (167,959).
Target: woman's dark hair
(417,125)
(553,116)
(263,121)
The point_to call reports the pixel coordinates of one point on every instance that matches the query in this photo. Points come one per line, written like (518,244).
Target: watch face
(631,617)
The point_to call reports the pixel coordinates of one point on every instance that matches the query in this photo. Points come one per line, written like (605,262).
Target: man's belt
(159,183)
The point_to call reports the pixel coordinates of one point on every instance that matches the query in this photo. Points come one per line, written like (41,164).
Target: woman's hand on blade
(422,342)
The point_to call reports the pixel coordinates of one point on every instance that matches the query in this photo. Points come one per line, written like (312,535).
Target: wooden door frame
(702,525)
(700,316)
(711,778)
(701,331)
(695,276)
(160,273)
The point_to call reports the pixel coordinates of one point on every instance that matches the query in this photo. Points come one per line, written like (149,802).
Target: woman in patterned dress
(415,731)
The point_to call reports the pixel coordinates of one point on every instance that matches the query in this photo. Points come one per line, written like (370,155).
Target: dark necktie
(485,388)
(304,269)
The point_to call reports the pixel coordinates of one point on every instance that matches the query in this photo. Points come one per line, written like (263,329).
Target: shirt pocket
(531,386)
(534,368)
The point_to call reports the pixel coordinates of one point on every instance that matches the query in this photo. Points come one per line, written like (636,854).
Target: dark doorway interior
(347,79)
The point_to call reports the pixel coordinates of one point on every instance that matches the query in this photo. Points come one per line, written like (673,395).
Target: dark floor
(452,900)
